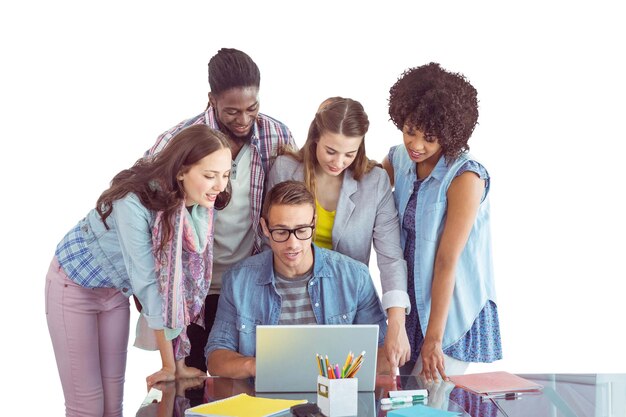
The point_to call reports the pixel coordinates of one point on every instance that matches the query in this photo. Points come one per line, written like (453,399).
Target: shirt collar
(437,173)
(440,169)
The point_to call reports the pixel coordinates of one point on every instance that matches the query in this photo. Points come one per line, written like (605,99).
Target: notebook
(242,405)
(494,383)
(285,355)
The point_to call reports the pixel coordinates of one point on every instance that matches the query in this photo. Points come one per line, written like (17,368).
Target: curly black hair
(437,102)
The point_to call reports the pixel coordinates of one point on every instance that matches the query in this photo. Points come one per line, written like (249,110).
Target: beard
(238,140)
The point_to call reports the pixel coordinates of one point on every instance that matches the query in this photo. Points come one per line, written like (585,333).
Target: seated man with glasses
(294,283)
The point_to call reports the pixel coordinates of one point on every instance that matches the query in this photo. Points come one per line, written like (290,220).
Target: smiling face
(421,148)
(292,257)
(336,152)
(236,110)
(203,181)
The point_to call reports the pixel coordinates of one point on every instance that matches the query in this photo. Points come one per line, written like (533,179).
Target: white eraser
(408,392)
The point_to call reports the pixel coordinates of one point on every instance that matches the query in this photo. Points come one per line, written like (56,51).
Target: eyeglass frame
(293,231)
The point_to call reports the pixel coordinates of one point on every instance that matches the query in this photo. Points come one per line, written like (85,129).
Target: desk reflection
(563,395)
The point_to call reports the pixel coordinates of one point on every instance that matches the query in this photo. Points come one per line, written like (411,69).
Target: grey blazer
(366,213)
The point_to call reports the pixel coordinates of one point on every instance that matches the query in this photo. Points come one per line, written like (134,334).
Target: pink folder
(494,383)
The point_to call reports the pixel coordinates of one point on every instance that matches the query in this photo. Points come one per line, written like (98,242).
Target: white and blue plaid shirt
(118,257)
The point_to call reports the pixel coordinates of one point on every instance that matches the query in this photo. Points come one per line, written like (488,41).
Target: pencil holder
(337,397)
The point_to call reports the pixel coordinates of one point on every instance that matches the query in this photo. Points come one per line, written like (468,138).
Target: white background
(86,88)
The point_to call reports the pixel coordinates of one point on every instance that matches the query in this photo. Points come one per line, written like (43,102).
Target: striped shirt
(295,307)
(267,136)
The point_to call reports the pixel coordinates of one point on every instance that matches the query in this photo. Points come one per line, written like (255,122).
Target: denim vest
(474,281)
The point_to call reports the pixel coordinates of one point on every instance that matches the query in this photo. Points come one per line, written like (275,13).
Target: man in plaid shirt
(254,138)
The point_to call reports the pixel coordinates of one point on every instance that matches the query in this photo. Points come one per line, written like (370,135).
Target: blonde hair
(340,116)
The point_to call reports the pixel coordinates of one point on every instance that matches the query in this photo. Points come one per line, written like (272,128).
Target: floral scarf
(184,269)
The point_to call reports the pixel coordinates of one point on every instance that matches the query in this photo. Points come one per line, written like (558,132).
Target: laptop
(285,355)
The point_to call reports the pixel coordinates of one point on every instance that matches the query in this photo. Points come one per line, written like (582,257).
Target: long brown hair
(155,180)
(340,116)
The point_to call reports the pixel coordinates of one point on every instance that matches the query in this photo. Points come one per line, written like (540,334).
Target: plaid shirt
(78,262)
(118,257)
(267,136)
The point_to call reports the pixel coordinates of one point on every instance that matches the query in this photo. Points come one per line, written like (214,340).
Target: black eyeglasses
(301,233)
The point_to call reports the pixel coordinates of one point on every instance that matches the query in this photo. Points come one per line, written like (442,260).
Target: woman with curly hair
(354,205)
(150,235)
(441,195)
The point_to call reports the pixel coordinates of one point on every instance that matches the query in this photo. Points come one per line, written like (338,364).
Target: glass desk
(563,395)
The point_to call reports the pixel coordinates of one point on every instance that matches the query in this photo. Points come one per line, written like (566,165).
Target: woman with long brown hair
(150,235)
(354,204)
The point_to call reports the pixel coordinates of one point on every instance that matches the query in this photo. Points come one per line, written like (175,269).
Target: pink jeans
(89,332)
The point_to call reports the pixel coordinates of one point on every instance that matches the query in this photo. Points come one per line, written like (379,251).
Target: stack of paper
(494,383)
(242,405)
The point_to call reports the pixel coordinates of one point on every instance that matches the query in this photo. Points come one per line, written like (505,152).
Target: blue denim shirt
(119,257)
(341,291)
(474,280)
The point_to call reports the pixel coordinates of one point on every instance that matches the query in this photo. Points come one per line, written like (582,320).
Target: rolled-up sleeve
(133,222)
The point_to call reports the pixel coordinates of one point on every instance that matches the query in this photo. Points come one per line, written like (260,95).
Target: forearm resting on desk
(229,364)
(168,368)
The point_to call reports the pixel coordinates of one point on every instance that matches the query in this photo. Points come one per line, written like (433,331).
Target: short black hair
(231,68)
(437,102)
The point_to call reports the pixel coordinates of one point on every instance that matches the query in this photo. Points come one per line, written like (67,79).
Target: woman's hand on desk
(432,360)
(187,372)
(397,347)
(165,374)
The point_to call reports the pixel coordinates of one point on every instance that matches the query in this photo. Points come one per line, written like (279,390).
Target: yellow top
(324,227)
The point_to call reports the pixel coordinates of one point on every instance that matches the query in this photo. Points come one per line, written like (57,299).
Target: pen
(319,364)
(360,357)
(345,365)
(354,364)
(354,370)
(402,400)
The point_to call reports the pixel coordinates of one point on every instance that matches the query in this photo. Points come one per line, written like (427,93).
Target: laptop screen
(286,361)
